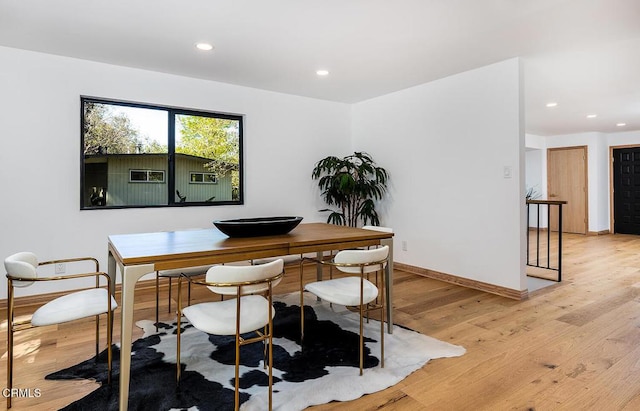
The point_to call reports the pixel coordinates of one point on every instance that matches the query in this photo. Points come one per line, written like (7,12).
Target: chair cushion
(219,317)
(22,265)
(237,274)
(343,291)
(361,257)
(79,304)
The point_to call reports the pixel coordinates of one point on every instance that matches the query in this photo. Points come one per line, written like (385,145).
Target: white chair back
(22,265)
(230,274)
(362,257)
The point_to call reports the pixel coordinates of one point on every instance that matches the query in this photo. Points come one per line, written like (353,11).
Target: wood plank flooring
(572,346)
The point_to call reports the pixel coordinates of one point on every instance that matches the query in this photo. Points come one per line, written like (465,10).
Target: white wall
(536,176)
(626,138)
(535,172)
(40,152)
(598,148)
(533,167)
(532,141)
(446,144)
(601,184)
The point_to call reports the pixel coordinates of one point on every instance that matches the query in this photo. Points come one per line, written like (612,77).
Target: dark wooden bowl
(256,227)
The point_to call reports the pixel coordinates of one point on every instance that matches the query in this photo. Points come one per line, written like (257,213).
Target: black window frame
(170,174)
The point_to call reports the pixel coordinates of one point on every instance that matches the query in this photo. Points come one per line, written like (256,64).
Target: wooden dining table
(143,253)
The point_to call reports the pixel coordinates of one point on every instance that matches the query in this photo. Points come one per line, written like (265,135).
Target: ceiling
(582,54)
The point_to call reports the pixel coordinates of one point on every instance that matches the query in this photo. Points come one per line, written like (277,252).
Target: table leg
(388,278)
(111,272)
(130,275)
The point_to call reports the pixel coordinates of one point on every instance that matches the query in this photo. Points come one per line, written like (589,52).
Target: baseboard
(464,282)
(603,232)
(544,229)
(538,229)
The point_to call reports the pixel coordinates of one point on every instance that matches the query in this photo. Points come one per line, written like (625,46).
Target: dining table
(136,254)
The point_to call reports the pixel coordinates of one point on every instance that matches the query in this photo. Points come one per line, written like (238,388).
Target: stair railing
(537,262)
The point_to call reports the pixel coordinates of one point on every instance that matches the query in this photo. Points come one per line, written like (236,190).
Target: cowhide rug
(326,370)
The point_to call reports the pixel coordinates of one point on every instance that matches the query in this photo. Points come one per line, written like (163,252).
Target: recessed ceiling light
(621,124)
(552,104)
(204,46)
(592,115)
(322,72)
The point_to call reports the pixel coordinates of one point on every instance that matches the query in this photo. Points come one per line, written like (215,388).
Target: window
(142,155)
(203,178)
(146,176)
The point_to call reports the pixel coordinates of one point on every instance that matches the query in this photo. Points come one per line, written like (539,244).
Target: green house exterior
(142,179)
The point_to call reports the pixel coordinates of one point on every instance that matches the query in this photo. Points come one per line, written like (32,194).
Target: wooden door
(626,190)
(567,181)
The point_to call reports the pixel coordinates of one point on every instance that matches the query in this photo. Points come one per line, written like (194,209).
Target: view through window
(140,155)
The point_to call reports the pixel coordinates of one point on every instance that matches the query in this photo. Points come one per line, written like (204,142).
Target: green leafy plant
(352,184)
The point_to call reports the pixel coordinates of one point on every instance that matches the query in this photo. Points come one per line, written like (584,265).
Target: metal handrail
(548,204)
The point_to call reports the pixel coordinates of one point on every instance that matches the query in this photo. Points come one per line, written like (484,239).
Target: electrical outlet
(60,268)
(404,246)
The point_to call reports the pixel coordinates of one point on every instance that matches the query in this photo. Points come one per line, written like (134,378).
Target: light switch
(507,171)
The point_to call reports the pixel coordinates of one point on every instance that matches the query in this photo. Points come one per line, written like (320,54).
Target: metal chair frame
(265,336)
(170,277)
(362,307)
(13,326)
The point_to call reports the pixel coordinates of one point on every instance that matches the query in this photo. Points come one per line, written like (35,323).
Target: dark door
(95,182)
(626,190)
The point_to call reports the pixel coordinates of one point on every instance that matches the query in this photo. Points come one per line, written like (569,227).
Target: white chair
(390,261)
(171,274)
(22,271)
(353,290)
(251,311)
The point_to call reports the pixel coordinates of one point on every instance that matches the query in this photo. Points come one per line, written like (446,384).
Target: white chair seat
(73,306)
(254,311)
(343,291)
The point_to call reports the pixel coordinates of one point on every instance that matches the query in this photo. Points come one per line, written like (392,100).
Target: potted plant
(531,194)
(351,184)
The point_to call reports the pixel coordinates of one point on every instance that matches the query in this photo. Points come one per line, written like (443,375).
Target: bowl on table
(256,227)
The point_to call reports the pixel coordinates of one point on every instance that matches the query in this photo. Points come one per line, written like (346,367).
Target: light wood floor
(571,346)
